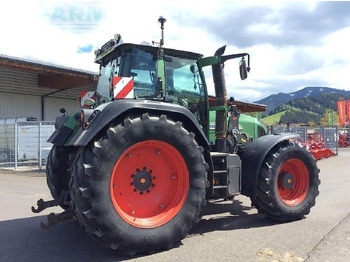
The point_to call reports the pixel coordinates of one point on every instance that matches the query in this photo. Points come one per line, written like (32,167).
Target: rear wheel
(140,187)
(288,183)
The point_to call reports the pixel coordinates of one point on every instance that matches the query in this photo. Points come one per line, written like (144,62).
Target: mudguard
(252,159)
(121,108)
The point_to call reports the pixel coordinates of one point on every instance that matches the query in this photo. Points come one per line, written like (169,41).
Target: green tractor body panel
(249,125)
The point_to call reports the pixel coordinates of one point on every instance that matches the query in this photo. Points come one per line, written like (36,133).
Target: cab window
(141,65)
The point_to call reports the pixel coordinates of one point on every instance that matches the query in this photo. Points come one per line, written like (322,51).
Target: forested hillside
(276,100)
(308,109)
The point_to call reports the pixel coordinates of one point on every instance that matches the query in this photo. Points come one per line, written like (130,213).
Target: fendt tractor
(136,165)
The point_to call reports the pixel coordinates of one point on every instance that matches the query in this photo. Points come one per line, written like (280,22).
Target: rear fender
(122,108)
(252,159)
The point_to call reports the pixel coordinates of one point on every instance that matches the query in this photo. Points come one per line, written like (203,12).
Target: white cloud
(27,32)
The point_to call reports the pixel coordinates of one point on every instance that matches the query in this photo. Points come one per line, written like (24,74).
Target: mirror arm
(224,58)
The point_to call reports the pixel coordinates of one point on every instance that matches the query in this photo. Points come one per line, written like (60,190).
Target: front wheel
(288,183)
(141,186)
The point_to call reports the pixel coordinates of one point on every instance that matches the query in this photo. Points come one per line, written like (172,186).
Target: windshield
(184,84)
(183,79)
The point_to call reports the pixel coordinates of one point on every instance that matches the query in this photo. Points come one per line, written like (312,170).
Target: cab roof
(104,58)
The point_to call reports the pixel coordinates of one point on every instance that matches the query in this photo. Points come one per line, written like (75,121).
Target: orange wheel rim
(149,184)
(293,182)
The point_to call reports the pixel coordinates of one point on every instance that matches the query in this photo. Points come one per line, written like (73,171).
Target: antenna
(162,20)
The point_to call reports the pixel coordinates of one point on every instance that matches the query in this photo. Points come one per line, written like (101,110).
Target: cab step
(227,174)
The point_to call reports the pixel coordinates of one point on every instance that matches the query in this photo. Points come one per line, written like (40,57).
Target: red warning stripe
(85,95)
(122,86)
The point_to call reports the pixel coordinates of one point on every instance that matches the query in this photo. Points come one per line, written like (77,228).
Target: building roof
(244,107)
(51,76)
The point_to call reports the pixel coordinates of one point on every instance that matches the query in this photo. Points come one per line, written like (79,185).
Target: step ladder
(227,174)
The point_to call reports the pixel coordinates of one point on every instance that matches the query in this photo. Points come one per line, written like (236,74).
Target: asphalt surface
(227,232)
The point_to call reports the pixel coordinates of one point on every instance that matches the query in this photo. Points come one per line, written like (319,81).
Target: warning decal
(123,87)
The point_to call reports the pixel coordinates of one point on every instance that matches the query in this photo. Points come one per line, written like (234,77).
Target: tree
(312,123)
(330,117)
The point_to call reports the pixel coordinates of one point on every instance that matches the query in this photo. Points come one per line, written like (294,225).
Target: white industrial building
(37,90)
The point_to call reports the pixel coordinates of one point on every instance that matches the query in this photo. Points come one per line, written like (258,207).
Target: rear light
(87,116)
(82,119)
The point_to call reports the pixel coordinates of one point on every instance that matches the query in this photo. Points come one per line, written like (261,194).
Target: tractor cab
(153,77)
(130,71)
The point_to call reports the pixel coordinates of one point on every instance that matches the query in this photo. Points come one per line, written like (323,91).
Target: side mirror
(243,69)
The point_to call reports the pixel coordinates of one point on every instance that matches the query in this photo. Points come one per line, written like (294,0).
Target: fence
(300,130)
(25,143)
(329,135)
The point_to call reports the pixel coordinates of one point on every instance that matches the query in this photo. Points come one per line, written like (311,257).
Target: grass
(273,119)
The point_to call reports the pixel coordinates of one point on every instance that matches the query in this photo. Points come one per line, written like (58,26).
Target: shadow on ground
(230,216)
(24,240)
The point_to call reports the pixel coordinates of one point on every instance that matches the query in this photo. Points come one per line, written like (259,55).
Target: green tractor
(140,161)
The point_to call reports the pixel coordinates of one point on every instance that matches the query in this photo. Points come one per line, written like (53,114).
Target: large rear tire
(141,186)
(288,183)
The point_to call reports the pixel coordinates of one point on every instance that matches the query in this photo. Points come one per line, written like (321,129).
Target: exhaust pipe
(221,100)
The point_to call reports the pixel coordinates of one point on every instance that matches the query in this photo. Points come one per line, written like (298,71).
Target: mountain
(306,109)
(276,100)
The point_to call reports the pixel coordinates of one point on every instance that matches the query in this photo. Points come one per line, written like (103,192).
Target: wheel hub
(287,181)
(149,184)
(142,181)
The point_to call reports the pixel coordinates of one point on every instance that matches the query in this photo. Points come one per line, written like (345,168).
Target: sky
(293,44)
